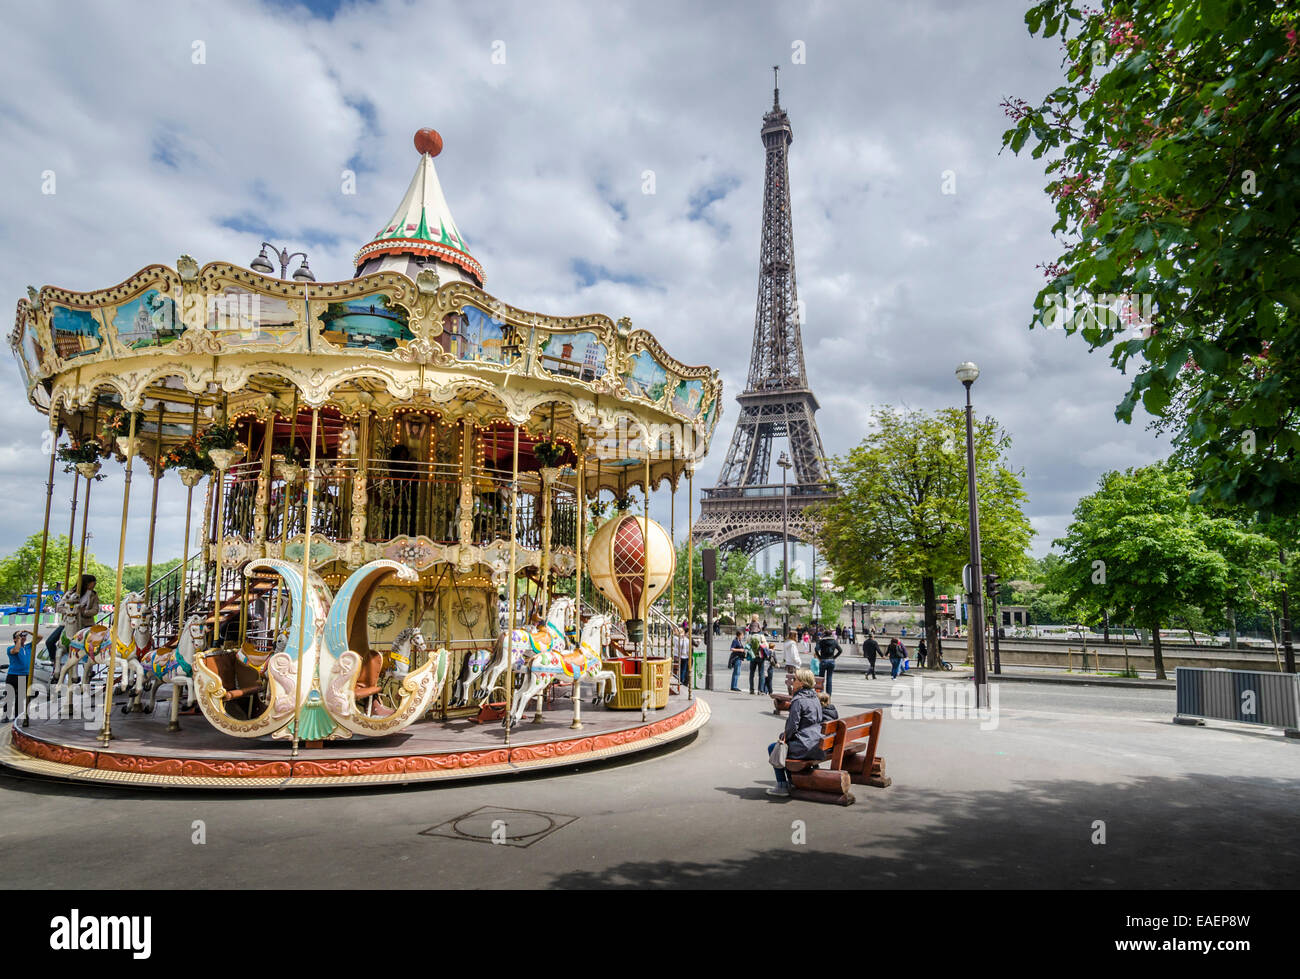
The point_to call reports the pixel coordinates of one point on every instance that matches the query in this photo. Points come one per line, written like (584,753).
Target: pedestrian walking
(921,652)
(736,659)
(895,657)
(790,657)
(828,651)
(802,736)
(757,656)
(871,649)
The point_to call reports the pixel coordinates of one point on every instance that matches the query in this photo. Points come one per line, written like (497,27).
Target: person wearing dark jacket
(803,728)
(829,711)
(895,657)
(921,650)
(871,649)
(828,651)
(736,660)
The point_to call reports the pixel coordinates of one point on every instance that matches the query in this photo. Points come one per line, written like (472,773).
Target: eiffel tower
(743,512)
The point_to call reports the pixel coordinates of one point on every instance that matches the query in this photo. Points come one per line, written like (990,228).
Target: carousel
(418,542)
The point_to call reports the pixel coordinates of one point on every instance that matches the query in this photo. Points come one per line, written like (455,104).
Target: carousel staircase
(164,596)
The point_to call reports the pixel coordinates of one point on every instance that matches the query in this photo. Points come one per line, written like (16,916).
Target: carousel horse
(471,671)
(126,636)
(66,609)
(409,651)
(518,646)
(556,666)
(175,665)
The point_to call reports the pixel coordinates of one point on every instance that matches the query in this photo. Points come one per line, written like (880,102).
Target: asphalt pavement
(1057,787)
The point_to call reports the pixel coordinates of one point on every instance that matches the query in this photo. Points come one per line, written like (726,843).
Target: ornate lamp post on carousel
(967,374)
(263,263)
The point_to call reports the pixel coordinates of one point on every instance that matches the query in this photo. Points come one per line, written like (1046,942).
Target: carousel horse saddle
(542,641)
(91,637)
(572,663)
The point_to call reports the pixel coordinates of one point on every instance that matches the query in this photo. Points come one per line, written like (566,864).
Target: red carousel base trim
(23,751)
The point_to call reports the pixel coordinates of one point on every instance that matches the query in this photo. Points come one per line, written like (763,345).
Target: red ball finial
(428,141)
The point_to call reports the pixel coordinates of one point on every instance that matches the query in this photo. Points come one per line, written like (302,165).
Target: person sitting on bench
(803,728)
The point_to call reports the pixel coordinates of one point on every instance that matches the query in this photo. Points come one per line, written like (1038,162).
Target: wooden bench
(781,701)
(850,743)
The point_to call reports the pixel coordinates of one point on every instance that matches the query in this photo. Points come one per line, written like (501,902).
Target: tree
(903,510)
(737,576)
(1175,172)
(1139,543)
(18,570)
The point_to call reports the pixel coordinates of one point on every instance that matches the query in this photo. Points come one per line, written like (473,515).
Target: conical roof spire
(421,231)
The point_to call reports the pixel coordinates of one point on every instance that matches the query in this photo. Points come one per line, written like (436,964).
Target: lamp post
(784,462)
(967,373)
(263,263)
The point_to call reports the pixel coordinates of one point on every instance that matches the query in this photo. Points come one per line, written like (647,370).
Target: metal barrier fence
(1269,699)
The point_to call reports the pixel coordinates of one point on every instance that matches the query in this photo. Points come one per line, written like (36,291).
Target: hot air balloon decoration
(631,560)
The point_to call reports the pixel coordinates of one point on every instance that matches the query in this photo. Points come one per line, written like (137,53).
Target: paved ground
(1016,805)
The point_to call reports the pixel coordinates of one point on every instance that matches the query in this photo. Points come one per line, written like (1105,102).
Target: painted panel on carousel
(472,334)
(354,676)
(149,320)
(579,355)
(243,318)
(31,354)
(372,322)
(687,395)
(76,332)
(647,377)
(322,550)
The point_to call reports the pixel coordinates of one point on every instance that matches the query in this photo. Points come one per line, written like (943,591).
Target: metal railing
(403,499)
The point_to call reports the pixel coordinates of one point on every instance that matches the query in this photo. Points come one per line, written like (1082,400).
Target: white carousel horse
(408,646)
(175,665)
(66,608)
(126,637)
(555,666)
(518,646)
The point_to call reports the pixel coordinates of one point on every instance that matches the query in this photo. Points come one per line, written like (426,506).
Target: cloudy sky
(551,113)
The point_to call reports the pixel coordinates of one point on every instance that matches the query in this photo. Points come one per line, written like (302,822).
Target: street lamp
(967,373)
(784,462)
(263,263)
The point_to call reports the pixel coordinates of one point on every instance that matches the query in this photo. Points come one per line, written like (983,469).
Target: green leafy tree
(1175,172)
(18,570)
(1138,543)
(737,576)
(903,511)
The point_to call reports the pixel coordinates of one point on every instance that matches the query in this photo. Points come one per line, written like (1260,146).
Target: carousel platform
(143,753)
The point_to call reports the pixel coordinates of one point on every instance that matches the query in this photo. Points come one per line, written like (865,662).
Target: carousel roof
(422,228)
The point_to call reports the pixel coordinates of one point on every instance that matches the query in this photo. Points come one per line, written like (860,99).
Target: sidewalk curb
(1084,681)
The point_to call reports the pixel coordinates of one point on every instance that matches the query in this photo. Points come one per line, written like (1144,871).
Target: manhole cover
(502,827)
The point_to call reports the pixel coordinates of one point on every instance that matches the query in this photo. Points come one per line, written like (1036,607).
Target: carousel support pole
(580,545)
(106,735)
(544,583)
(25,690)
(690,585)
(306,571)
(174,724)
(153,507)
(72,530)
(672,535)
(262,501)
(85,506)
(511,587)
(647,687)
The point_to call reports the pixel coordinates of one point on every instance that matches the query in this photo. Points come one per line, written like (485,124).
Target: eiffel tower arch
(743,511)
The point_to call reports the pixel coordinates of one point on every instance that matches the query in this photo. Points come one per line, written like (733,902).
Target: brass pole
(510,588)
(690,585)
(26,693)
(107,734)
(647,686)
(72,529)
(672,533)
(85,506)
(306,571)
(153,506)
(577,581)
